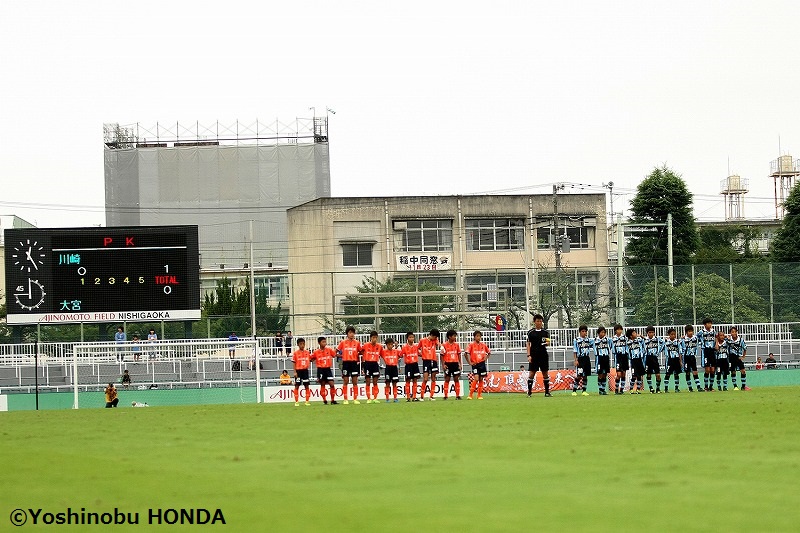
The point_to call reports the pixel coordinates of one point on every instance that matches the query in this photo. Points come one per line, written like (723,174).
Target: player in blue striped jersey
(636,352)
(722,362)
(581,351)
(621,365)
(603,346)
(708,337)
(653,347)
(737,351)
(689,348)
(672,362)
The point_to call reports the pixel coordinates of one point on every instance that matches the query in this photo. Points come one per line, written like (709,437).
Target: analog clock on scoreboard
(63,275)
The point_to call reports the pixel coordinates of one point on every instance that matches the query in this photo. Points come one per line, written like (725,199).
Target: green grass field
(696,462)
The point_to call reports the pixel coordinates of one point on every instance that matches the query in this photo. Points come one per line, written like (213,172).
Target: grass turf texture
(697,462)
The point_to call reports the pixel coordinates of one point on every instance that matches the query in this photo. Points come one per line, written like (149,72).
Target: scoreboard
(73,275)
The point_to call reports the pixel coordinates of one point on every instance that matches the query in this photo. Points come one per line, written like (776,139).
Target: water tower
(783,172)
(733,188)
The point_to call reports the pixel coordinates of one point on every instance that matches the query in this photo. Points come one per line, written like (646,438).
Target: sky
(431,98)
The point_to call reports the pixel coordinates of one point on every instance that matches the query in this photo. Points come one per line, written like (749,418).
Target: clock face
(30,296)
(28,256)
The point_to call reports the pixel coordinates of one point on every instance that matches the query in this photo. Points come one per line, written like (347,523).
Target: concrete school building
(482,242)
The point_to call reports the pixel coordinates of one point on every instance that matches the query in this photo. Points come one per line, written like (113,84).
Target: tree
(229,310)
(727,244)
(662,192)
(786,244)
(661,303)
(408,306)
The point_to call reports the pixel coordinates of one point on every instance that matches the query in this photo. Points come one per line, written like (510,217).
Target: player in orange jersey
(429,350)
(478,355)
(301,360)
(323,359)
(391,356)
(349,350)
(410,354)
(451,356)
(372,354)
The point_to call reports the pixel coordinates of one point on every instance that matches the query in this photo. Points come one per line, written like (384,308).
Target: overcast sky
(430,97)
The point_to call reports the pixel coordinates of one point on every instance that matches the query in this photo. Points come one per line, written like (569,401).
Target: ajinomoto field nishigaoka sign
(285,393)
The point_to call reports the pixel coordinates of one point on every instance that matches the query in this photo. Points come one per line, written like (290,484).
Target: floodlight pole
(253,319)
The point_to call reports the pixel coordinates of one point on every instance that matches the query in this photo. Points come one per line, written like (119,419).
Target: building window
(512,285)
(427,235)
(579,236)
(272,287)
(357,254)
(495,234)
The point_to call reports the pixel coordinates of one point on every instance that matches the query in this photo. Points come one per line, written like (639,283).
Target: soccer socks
(374,391)
(472,387)
(480,387)
(546,380)
(446,388)
(333,392)
(530,385)
(324,393)
(394,390)
(601,385)
(296,395)
(744,380)
(344,392)
(355,392)
(458,388)
(386,391)
(650,383)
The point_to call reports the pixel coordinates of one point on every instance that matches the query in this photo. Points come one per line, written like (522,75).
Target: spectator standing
(232,346)
(136,349)
(279,344)
(120,338)
(287,343)
(151,339)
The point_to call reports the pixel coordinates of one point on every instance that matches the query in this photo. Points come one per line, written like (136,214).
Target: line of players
(364,359)
(721,355)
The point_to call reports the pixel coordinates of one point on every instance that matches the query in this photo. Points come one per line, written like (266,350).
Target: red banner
(518,381)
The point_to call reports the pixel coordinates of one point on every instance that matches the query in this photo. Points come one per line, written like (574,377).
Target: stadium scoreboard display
(73,275)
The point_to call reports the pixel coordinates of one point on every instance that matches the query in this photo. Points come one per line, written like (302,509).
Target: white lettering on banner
(285,393)
(111,316)
(423,261)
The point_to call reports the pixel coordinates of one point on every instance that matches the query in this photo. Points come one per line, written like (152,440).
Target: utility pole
(557,250)
(669,250)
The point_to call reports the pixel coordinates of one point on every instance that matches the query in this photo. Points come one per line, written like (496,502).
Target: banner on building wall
(424,261)
(285,393)
(518,381)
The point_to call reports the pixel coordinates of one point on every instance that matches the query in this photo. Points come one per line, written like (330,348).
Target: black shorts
(603,364)
(584,366)
(324,374)
(371,369)
(431,366)
(350,368)
(302,377)
(637,367)
(452,369)
(623,365)
(690,363)
(412,370)
(674,366)
(736,363)
(651,365)
(539,363)
(709,357)
(723,366)
(479,369)
(392,373)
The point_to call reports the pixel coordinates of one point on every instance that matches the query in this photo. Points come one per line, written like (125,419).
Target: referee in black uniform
(538,339)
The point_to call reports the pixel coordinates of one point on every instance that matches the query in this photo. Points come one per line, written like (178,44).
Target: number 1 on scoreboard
(166,268)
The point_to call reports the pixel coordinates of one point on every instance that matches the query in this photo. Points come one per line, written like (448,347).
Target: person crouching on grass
(478,355)
(323,359)
(301,360)
(451,356)
(371,356)
(111,396)
(391,357)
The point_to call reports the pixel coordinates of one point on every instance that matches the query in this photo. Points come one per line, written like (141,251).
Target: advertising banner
(285,393)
